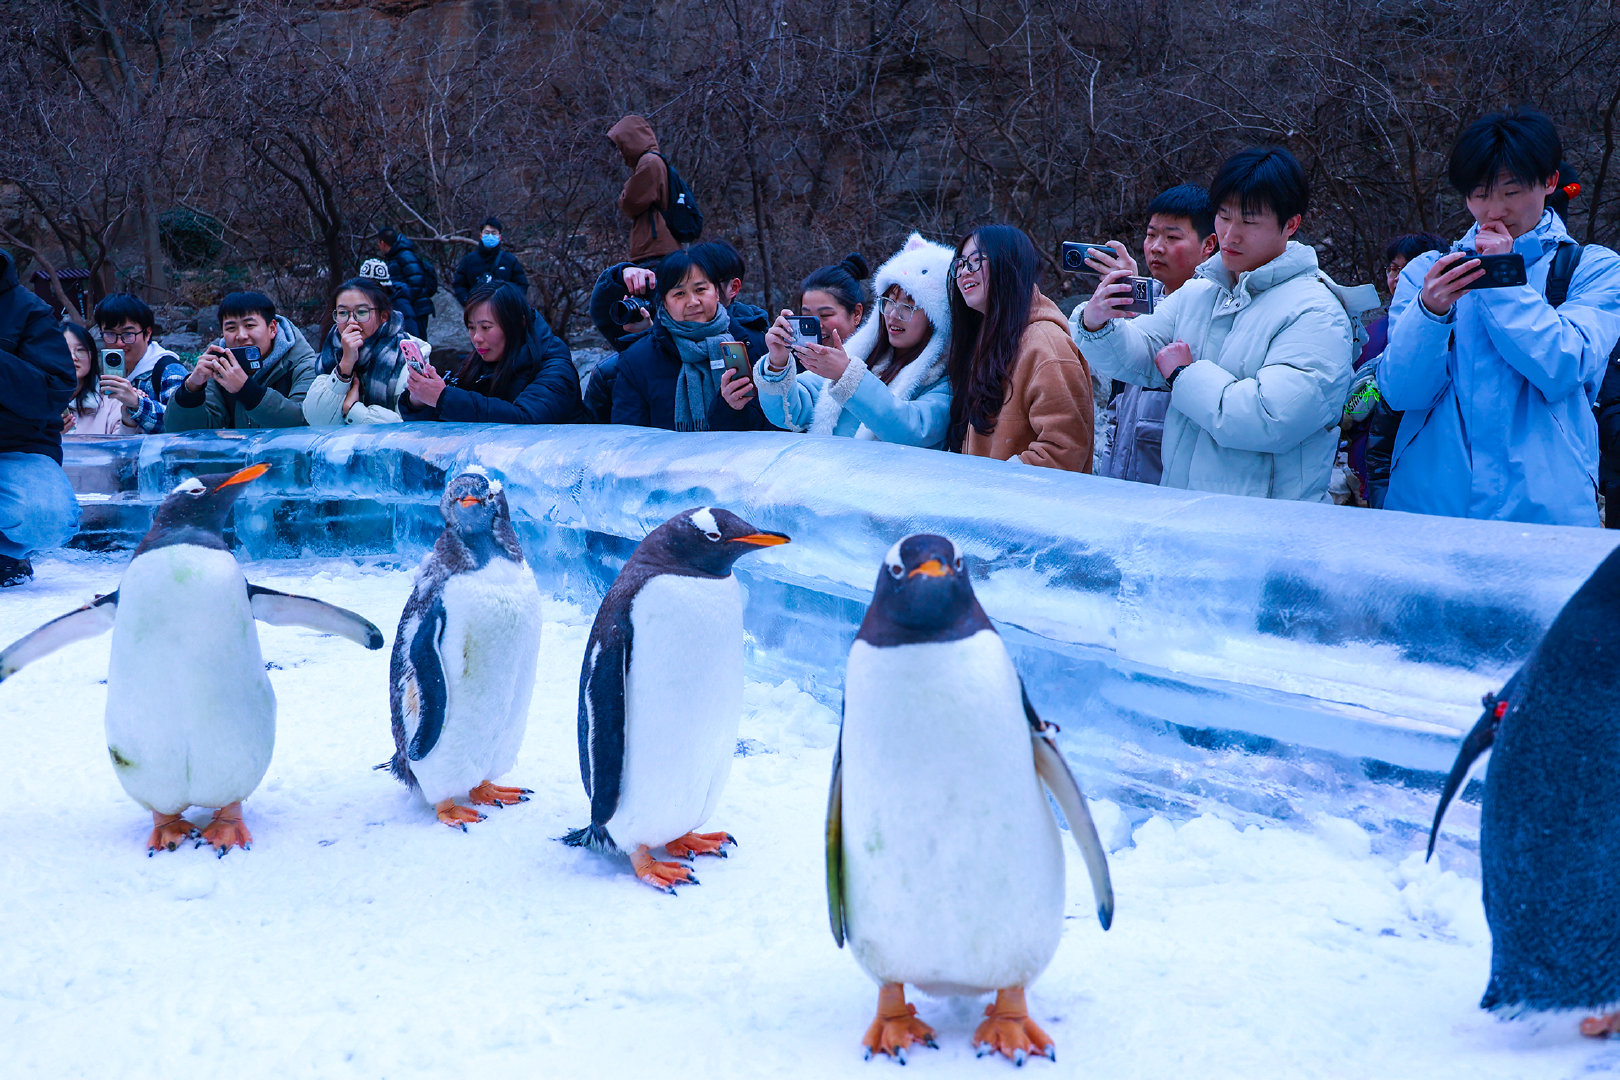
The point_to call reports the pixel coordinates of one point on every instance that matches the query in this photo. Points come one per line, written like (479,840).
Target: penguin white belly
(191,717)
(490,646)
(683,700)
(953,861)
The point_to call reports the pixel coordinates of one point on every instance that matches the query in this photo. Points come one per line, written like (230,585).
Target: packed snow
(361,938)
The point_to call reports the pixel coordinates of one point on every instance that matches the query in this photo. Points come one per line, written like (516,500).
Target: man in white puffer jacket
(1256,349)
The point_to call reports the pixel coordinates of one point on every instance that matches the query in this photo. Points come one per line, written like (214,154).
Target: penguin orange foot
(489,794)
(663,876)
(168,830)
(1601,1027)
(700,843)
(226,830)
(1008,1028)
(896,1027)
(456,816)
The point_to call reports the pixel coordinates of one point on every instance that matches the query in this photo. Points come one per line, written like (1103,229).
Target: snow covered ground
(360,938)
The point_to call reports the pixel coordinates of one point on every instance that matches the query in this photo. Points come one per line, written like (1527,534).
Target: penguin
(464,657)
(191,716)
(1551,802)
(661,694)
(944,863)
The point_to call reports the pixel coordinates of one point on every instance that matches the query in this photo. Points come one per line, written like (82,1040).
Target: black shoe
(15,571)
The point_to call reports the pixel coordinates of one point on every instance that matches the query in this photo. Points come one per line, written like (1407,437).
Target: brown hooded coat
(1046,418)
(647,190)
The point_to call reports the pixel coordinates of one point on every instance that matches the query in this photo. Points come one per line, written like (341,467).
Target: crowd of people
(1234,365)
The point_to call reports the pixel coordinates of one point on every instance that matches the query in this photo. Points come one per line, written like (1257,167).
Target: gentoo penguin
(464,656)
(661,694)
(1551,805)
(944,863)
(191,717)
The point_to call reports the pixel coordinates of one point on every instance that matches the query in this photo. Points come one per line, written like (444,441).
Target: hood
(1044,310)
(149,359)
(1296,260)
(1546,236)
(921,268)
(634,137)
(291,346)
(8,271)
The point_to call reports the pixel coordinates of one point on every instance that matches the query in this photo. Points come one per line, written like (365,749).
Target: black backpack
(681,212)
(430,280)
(1607,409)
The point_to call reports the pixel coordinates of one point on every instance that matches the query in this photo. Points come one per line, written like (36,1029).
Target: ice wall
(1193,647)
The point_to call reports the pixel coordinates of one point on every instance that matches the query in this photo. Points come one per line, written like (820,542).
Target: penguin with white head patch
(661,694)
(944,863)
(198,732)
(464,657)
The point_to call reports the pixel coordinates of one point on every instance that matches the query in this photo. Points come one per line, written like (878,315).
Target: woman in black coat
(519,371)
(665,378)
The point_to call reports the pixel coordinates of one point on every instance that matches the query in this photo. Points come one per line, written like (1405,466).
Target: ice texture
(1270,656)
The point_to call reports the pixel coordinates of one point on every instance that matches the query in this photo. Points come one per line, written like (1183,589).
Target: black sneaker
(15,571)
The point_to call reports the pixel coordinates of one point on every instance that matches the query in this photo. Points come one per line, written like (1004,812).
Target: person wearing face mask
(490,265)
(225,392)
(887,382)
(365,360)
(1497,384)
(1255,350)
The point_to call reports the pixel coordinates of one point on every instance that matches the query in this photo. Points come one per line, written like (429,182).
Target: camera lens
(628,310)
(1072,260)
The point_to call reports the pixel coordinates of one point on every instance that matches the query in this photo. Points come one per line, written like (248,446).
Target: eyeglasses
(969,264)
(126,337)
(894,308)
(359,314)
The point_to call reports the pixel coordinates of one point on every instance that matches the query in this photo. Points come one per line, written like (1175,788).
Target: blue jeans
(37,507)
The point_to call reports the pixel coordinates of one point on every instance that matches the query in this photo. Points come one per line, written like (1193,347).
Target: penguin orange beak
(469,500)
(252,472)
(763,539)
(931,568)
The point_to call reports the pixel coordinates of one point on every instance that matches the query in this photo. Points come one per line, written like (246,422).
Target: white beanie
(377,270)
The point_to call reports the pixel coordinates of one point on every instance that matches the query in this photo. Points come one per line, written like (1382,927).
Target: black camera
(629,310)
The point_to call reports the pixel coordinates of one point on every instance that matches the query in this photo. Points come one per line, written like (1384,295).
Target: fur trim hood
(922,268)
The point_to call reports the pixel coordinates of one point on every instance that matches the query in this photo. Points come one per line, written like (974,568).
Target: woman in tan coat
(1019,387)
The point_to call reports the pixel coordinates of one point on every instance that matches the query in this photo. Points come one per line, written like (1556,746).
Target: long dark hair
(512,316)
(91,381)
(984,348)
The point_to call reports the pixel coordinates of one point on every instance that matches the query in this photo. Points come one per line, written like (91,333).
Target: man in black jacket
(37,507)
(489,265)
(405,267)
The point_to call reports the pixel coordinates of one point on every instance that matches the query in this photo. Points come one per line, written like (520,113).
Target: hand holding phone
(806,330)
(112,361)
(413,355)
(734,356)
(247,357)
(1499,271)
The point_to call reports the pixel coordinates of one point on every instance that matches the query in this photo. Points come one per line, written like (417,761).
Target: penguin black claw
(900,1054)
(1018,1058)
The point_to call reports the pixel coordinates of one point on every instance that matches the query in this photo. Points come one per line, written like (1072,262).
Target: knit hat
(377,270)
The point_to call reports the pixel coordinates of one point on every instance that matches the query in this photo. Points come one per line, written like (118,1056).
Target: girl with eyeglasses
(91,412)
(887,381)
(364,361)
(1020,390)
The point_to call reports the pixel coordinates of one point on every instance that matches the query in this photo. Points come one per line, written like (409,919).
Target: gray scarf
(698,345)
(378,365)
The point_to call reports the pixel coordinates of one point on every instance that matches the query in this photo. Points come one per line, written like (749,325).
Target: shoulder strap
(1565,261)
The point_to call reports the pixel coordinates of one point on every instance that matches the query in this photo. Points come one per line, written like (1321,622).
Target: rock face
(445,329)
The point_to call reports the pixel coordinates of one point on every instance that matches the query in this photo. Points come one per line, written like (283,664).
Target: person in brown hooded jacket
(646,193)
(1019,387)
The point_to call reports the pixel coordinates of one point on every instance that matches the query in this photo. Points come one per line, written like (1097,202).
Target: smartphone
(1074,256)
(247,356)
(1143,296)
(735,355)
(806,330)
(413,356)
(1501,271)
(112,362)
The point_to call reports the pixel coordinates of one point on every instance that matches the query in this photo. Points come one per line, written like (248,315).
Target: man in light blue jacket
(1497,384)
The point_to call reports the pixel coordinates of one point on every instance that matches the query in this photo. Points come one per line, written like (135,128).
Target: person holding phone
(364,362)
(837,296)
(1497,384)
(1020,390)
(519,372)
(151,374)
(255,375)
(887,382)
(91,412)
(675,377)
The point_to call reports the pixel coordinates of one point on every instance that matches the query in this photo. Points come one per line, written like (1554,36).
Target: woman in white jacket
(888,381)
(363,363)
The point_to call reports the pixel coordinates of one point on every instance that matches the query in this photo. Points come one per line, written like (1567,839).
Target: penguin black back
(1551,808)
(922,594)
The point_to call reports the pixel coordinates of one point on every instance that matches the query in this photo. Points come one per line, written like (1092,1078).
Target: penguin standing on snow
(661,694)
(944,863)
(198,732)
(1550,813)
(464,657)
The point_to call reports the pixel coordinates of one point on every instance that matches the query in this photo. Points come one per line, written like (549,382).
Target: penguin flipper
(601,714)
(1054,773)
(89,621)
(1475,743)
(424,693)
(286,609)
(835,844)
